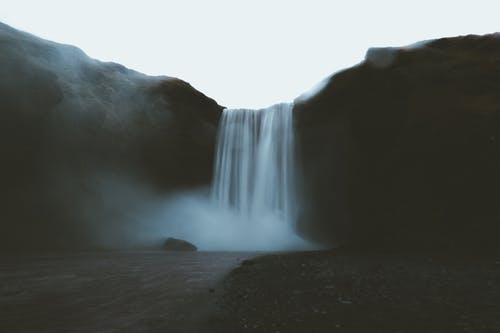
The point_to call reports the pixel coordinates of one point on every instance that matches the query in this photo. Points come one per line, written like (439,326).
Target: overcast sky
(245,53)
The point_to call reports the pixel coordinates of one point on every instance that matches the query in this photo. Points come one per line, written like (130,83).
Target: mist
(194,217)
(120,213)
(251,205)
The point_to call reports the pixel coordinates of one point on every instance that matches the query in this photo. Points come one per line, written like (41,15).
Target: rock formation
(174,244)
(403,149)
(82,140)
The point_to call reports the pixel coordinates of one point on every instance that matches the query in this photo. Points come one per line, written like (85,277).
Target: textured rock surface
(83,143)
(404,148)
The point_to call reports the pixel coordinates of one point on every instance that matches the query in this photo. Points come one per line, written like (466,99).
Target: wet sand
(111,291)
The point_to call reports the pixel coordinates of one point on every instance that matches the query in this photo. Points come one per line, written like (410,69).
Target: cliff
(403,150)
(83,141)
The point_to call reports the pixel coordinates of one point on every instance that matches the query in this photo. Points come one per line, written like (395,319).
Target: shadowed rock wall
(82,140)
(404,148)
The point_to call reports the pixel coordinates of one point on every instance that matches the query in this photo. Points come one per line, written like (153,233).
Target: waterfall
(254,166)
(253,201)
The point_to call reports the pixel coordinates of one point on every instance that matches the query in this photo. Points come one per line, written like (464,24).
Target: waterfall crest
(254,171)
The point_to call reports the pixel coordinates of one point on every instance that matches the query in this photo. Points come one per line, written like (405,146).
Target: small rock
(174,244)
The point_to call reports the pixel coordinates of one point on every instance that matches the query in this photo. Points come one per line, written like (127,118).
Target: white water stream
(254,165)
(253,201)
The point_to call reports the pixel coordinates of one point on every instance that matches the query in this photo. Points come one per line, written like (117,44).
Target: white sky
(249,53)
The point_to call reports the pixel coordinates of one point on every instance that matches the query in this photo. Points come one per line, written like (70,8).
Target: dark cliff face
(404,148)
(80,138)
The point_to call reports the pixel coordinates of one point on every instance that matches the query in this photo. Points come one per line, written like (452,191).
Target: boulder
(174,244)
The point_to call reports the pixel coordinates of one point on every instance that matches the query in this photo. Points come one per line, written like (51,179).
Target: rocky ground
(110,292)
(325,291)
(352,292)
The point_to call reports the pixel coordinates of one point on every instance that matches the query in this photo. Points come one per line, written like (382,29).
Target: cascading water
(254,167)
(253,198)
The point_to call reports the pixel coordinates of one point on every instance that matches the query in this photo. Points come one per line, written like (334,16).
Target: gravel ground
(349,292)
(111,292)
(297,292)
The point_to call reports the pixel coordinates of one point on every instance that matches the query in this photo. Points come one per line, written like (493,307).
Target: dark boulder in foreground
(174,244)
(87,146)
(403,150)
